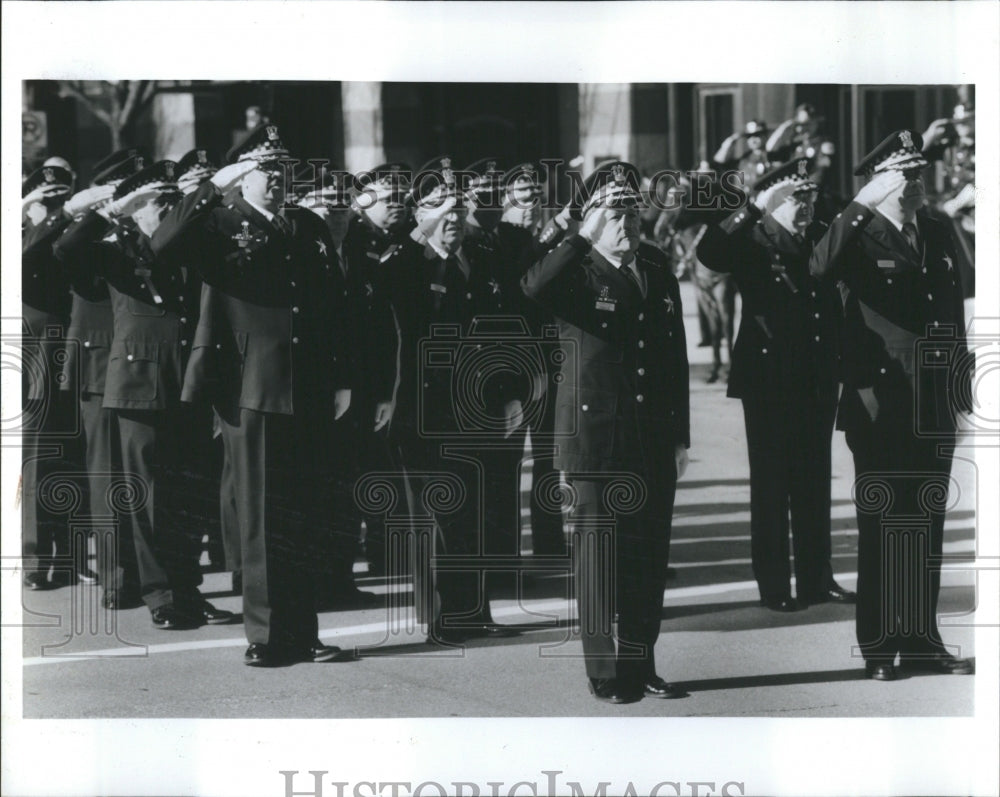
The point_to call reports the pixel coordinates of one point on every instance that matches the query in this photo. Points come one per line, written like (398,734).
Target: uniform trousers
(446,489)
(279,479)
(901,491)
(47,469)
(789,445)
(167,548)
(621,557)
(117,567)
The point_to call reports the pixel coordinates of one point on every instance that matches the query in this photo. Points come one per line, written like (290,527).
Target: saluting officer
(621,422)
(382,219)
(154,309)
(441,291)
(906,375)
(785,372)
(91,329)
(361,435)
(272,356)
(45,309)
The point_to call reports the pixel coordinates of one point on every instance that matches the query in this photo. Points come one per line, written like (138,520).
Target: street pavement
(735,658)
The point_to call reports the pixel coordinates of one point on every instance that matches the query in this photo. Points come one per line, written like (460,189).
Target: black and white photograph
(390,409)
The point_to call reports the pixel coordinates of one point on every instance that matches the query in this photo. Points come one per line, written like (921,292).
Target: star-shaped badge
(669,303)
(322,246)
(947,260)
(495,286)
(369,290)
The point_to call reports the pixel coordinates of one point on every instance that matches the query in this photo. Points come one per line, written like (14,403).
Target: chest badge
(369,290)
(494,286)
(321,244)
(244,237)
(604,301)
(669,304)
(947,260)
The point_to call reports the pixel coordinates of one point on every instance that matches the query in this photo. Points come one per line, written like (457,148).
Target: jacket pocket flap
(136,351)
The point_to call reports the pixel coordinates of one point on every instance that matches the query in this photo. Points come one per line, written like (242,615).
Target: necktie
(910,231)
(633,274)
(341,262)
(282,225)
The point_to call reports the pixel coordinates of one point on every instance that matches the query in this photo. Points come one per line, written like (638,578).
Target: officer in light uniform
(621,426)
(154,306)
(906,376)
(271,353)
(91,329)
(785,373)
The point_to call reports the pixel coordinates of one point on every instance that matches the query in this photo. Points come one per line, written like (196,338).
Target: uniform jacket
(446,321)
(154,307)
(91,320)
(904,326)
(624,387)
(273,335)
(44,303)
(787,346)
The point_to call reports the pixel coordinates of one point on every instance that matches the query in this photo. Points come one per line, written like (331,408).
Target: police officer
(91,330)
(271,355)
(154,307)
(361,434)
(622,426)
(906,375)
(47,410)
(436,282)
(785,373)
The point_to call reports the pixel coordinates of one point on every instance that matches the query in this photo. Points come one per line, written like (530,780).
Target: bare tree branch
(125,115)
(67,88)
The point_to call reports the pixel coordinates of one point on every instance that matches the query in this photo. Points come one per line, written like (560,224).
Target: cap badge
(803,168)
(906,139)
(272,132)
(491,166)
(50,176)
(168,170)
(202,156)
(618,173)
(139,163)
(446,173)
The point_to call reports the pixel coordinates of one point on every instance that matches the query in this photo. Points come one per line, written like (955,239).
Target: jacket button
(889,280)
(180,298)
(292,283)
(130,358)
(763,351)
(86,344)
(295,340)
(604,325)
(468,296)
(642,316)
(816,315)
(854,224)
(930,296)
(817,338)
(183,320)
(936,324)
(777,279)
(861,217)
(881,370)
(585,407)
(641,371)
(924,269)
(218,345)
(426,384)
(288,257)
(642,344)
(184,343)
(295,309)
(142,285)
(639,398)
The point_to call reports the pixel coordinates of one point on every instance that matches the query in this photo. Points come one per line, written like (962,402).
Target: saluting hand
(879,187)
(87,199)
(341,403)
(228,177)
(592,225)
(383,414)
(43,192)
(430,218)
(131,202)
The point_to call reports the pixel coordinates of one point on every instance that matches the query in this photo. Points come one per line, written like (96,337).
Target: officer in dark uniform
(91,330)
(379,224)
(501,222)
(47,411)
(622,426)
(906,375)
(785,372)
(361,435)
(442,293)
(272,355)
(154,307)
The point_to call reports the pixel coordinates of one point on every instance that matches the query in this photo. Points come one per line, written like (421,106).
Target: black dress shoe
(260,655)
(780,604)
(940,663)
(37,582)
(655,686)
(834,594)
(880,671)
(170,618)
(320,653)
(207,613)
(119,599)
(611,690)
